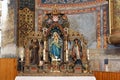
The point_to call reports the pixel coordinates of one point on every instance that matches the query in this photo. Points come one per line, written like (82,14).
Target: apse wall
(85,23)
(9,24)
(99,58)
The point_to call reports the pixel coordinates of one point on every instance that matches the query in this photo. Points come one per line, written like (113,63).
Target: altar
(55,78)
(55,49)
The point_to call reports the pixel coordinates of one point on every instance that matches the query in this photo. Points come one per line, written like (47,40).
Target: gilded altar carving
(58,44)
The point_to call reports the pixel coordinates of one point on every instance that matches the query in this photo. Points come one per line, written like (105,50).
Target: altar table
(55,78)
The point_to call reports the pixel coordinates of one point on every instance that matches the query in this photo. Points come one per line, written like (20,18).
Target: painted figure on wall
(34,47)
(55,47)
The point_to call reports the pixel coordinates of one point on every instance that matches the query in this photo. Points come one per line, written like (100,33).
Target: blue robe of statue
(55,49)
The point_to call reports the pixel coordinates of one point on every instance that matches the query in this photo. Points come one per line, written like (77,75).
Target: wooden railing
(100,75)
(8,68)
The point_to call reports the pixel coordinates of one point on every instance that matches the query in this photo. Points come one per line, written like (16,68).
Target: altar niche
(56,49)
(55,42)
(55,45)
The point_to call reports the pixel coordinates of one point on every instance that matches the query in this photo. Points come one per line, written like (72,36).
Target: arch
(54,25)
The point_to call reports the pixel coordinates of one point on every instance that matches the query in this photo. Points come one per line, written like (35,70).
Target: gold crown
(55,10)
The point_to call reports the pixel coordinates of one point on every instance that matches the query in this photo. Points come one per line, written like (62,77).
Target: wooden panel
(8,68)
(106,75)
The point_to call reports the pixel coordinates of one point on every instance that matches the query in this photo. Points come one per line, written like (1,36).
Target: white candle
(66,55)
(88,53)
(44,50)
(21,56)
(66,50)
(106,67)
(44,44)
(40,63)
(43,54)
(22,59)
(21,53)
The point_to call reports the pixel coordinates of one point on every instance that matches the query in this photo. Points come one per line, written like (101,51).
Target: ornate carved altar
(56,48)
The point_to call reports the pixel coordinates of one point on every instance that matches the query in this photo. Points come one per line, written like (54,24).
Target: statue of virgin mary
(55,47)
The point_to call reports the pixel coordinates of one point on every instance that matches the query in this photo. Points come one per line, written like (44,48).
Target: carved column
(40,22)
(27,51)
(65,48)
(98,30)
(66,44)
(45,48)
(105,28)
(114,18)
(45,51)
(27,56)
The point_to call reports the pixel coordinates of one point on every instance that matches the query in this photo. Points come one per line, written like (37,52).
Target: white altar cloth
(55,78)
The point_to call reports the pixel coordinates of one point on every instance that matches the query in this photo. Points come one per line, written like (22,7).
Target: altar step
(55,74)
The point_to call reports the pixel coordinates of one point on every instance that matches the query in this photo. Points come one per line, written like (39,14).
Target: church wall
(97,59)
(85,23)
(9,24)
